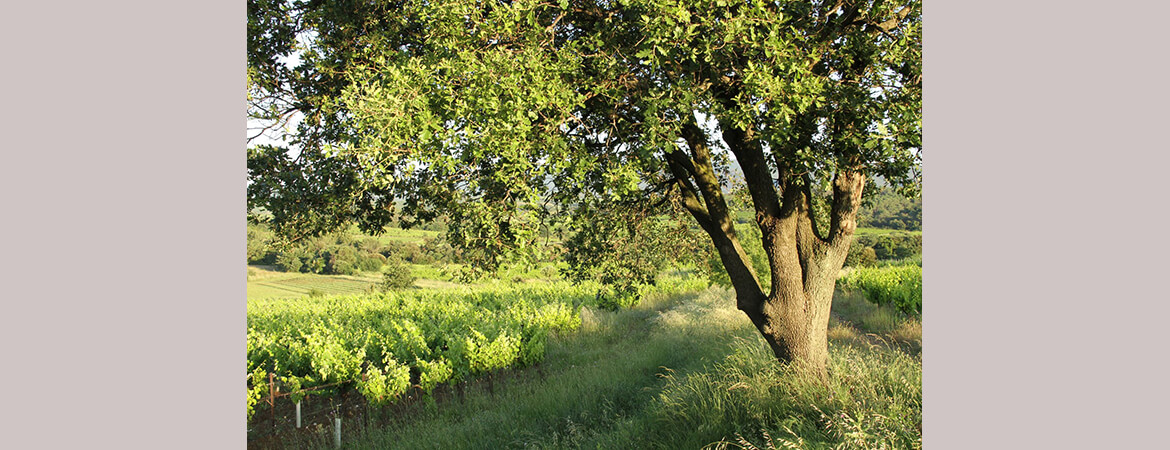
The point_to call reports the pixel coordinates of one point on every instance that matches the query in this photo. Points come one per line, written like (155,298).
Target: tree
(487,111)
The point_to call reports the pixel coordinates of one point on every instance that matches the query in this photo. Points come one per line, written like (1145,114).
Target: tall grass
(872,400)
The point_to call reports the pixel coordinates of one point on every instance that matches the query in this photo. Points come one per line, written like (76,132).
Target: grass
(270,284)
(868,231)
(856,320)
(678,371)
(264,282)
(415,236)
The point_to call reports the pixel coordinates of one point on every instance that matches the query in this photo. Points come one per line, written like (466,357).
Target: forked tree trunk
(794,316)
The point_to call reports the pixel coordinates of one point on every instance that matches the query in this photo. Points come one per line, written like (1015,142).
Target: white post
(298,414)
(337,432)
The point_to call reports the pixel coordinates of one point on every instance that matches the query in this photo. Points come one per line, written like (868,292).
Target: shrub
(615,297)
(370,262)
(289,262)
(861,256)
(396,275)
(340,259)
(260,249)
(343,268)
(315,263)
(439,250)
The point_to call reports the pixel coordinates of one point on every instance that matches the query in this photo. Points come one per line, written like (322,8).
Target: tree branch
(847,189)
(690,197)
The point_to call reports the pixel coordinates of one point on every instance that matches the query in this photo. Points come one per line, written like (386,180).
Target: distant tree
(486,111)
(396,275)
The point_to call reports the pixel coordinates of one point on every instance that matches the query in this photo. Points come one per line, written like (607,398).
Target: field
(265,283)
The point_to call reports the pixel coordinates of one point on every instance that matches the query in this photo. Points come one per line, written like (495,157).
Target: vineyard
(898,286)
(382,344)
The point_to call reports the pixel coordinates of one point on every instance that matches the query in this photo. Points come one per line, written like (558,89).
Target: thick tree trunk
(795,325)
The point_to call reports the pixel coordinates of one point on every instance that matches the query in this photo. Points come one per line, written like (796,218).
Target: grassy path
(685,371)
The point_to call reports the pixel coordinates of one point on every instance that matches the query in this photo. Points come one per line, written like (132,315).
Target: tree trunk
(794,316)
(795,327)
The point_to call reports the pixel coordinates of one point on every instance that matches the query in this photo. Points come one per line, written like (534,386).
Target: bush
(396,275)
(289,262)
(343,268)
(439,250)
(315,263)
(371,262)
(614,298)
(861,256)
(260,249)
(340,260)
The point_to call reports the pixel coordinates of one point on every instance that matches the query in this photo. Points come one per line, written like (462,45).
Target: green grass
(269,284)
(676,371)
(873,231)
(415,236)
(266,283)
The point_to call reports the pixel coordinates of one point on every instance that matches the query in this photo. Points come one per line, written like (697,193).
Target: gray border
(123,181)
(1043,170)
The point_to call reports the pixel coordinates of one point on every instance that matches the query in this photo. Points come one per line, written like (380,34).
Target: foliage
(260,245)
(383,385)
(343,253)
(373,341)
(861,256)
(891,245)
(396,275)
(289,261)
(624,248)
(886,209)
(898,286)
(483,113)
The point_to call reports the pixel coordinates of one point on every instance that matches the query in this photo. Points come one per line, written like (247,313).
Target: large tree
(489,111)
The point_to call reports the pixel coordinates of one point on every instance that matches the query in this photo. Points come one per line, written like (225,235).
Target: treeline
(868,249)
(889,210)
(342,253)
